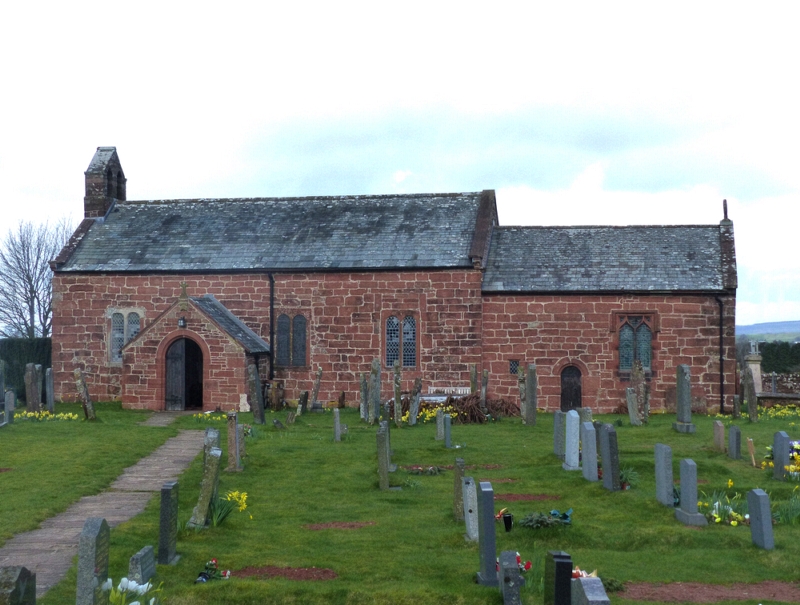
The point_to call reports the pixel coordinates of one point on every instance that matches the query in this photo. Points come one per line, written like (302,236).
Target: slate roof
(604,259)
(234,326)
(313,233)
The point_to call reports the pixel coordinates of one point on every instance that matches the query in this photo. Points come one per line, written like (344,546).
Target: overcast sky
(595,113)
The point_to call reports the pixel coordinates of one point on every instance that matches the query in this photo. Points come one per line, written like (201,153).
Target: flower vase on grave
(508,521)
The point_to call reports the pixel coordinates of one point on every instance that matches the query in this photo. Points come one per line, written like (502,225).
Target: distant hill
(775,330)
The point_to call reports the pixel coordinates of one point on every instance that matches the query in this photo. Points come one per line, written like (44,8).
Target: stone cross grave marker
(609,453)
(780,455)
(447,426)
(375,391)
(208,489)
(633,405)
(439,424)
(760,519)
(531,396)
(572,446)
(49,390)
(665,485)
(684,388)
(256,394)
(458,491)
(687,513)
(588,451)
(9,405)
(588,591)
(735,443)
(719,436)
(142,566)
(749,393)
(487,546)
(510,578)
(470,494)
(17,586)
(751,449)
(168,524)
(558,434)
(83,392)
(93,562)
(557,578)
(364,389)
(234,463)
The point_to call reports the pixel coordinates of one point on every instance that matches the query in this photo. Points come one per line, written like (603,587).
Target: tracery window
(401,344)
(635,341)
(125,326)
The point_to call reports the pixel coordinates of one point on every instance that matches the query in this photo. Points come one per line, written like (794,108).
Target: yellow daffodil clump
(43,416)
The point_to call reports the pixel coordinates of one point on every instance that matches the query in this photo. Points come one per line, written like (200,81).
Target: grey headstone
(531,395)
(589,591)
(315,405)
(780,454)
(168,525)
(684,389)
(375,391)
(142,566)
(749,394)
(234,463)
(473,379)
(337,427)
(279,425)
(510,578)
(470,494)
(439,424)
(557,578)
(17,586)
(458,490)
(760,519)
(208,489)
(687,513)
(93,562)
(609,454)
(413,411)
(256,394)
(10,400)
(558,434)
(588,452)
(210,440)
(484,387)
(598,426)
(665,485)
(585,414)
(383,457)
(735,443)
(633,412)
(447,427)
(32,390)
(364,388)
(240,442)
(302,404)
(49,390)
(719,436)
(83,393)
(487,548)
(572,446)
(398,400)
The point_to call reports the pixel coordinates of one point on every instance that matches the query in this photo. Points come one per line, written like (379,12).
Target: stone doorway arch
(570,388)
(183,371)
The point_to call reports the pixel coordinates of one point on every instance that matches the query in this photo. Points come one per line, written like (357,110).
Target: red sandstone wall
(555,331)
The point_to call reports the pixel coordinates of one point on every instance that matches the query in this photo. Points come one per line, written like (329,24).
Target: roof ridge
(532,227)
(302,198)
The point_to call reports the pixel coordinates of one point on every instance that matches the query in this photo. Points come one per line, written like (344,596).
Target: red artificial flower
(527,565)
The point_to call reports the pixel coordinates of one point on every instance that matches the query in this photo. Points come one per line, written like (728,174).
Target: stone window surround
(125,311)
(291,313)
(401,315)
(618,319)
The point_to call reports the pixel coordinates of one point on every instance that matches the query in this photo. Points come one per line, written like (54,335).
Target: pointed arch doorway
(570,388)
(184,376)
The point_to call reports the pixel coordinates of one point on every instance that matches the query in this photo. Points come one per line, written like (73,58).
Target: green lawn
(415,551)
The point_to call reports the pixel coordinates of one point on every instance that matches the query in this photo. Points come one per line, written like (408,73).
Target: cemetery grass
(415,552)
(55,463)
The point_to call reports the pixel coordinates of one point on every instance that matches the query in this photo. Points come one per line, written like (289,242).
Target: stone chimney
(105,183)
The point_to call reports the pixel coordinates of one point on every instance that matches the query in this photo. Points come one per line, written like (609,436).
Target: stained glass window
(635,342)
(283,349)
(644,339)
(299,340)
(117,336)
(409,341)
(392,340)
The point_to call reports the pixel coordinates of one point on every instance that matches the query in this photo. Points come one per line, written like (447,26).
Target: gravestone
(760,519)
(240,441)
(208,489)
(774,382)
(439,424)
(572,446)
(523,400)
(458,491)
(289,419)
(413,410)
(684,388)
(665,485)
(642,391)
(531,396)
(748,389)
(737,405)
(168,525)
(487,549)
(256,394)
(32,391)
(384,424)
(382,443)
(279,425)
(780,454)
(585,414)
(687,513)
(302,404)
(558,434)
(588,591)
(447,427)
(470,494)
(17,586)
(315,392)
(598,426)
(375,391)
(210,440)
(557,578)
(473,379)
(633,412)
(93,562)
(719,436)
(337,427)
(751,449)
(49,390)
(735,443)
(588,452)
(83,393)
(609,453)
(234,464)
(484,388)
(364,388)
(398,400)
(510,578)
(10,400)
(142,566)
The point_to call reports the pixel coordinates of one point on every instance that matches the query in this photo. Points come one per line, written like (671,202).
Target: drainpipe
(721,360)
(272,327)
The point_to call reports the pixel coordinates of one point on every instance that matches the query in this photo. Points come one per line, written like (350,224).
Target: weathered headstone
(572,445)
(588,591)
(735,443)
(17,586)
(49,390)
(337,427)
(522,391)
(473,379)
(83,393)
(10,400)
(276,395)
(684,391)
(447,426)
(531,396)
(487,548)
(737,406)
(289,420)
(760,519)
(240,442)
(597,430)
(208,489)
(315,392)
(413,410)
(375,391)
(751,449)
(439,424)
(557,578)
(609,453)
(510,578)
(588,452)
(302,404)
(774,382)
(558,434)
(383,458)
(398,400)
(665,485)
(484,387)
(32,393)
(585,414)
(93,562)
(210,440)
(256,394)
(719,436)
(234,463)
(470,493)
(633,412)
(748,388)
(458,490)
(142,566)
(781,448)
(687,513)
(385,425)
(364,389)
(168,525)
(642,392)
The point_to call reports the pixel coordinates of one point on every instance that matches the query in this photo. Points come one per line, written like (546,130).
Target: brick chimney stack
(105,183)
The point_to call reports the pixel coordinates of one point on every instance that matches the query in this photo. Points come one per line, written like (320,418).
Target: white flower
(106,586)
(123,585)
(135,603)
(153,601)
(143,588)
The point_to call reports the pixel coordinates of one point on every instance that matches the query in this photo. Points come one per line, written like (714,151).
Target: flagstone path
(48,551)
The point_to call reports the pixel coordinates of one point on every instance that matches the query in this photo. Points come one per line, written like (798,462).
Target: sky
(574,113)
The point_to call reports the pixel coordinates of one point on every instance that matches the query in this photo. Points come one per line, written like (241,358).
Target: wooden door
(570,388)
(175,391)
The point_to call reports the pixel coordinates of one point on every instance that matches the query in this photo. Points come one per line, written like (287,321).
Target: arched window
(401,345)
(392,340)
(291,341)
(635,341)
(117,336)
(409,342)
(134,325)
(283,337)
